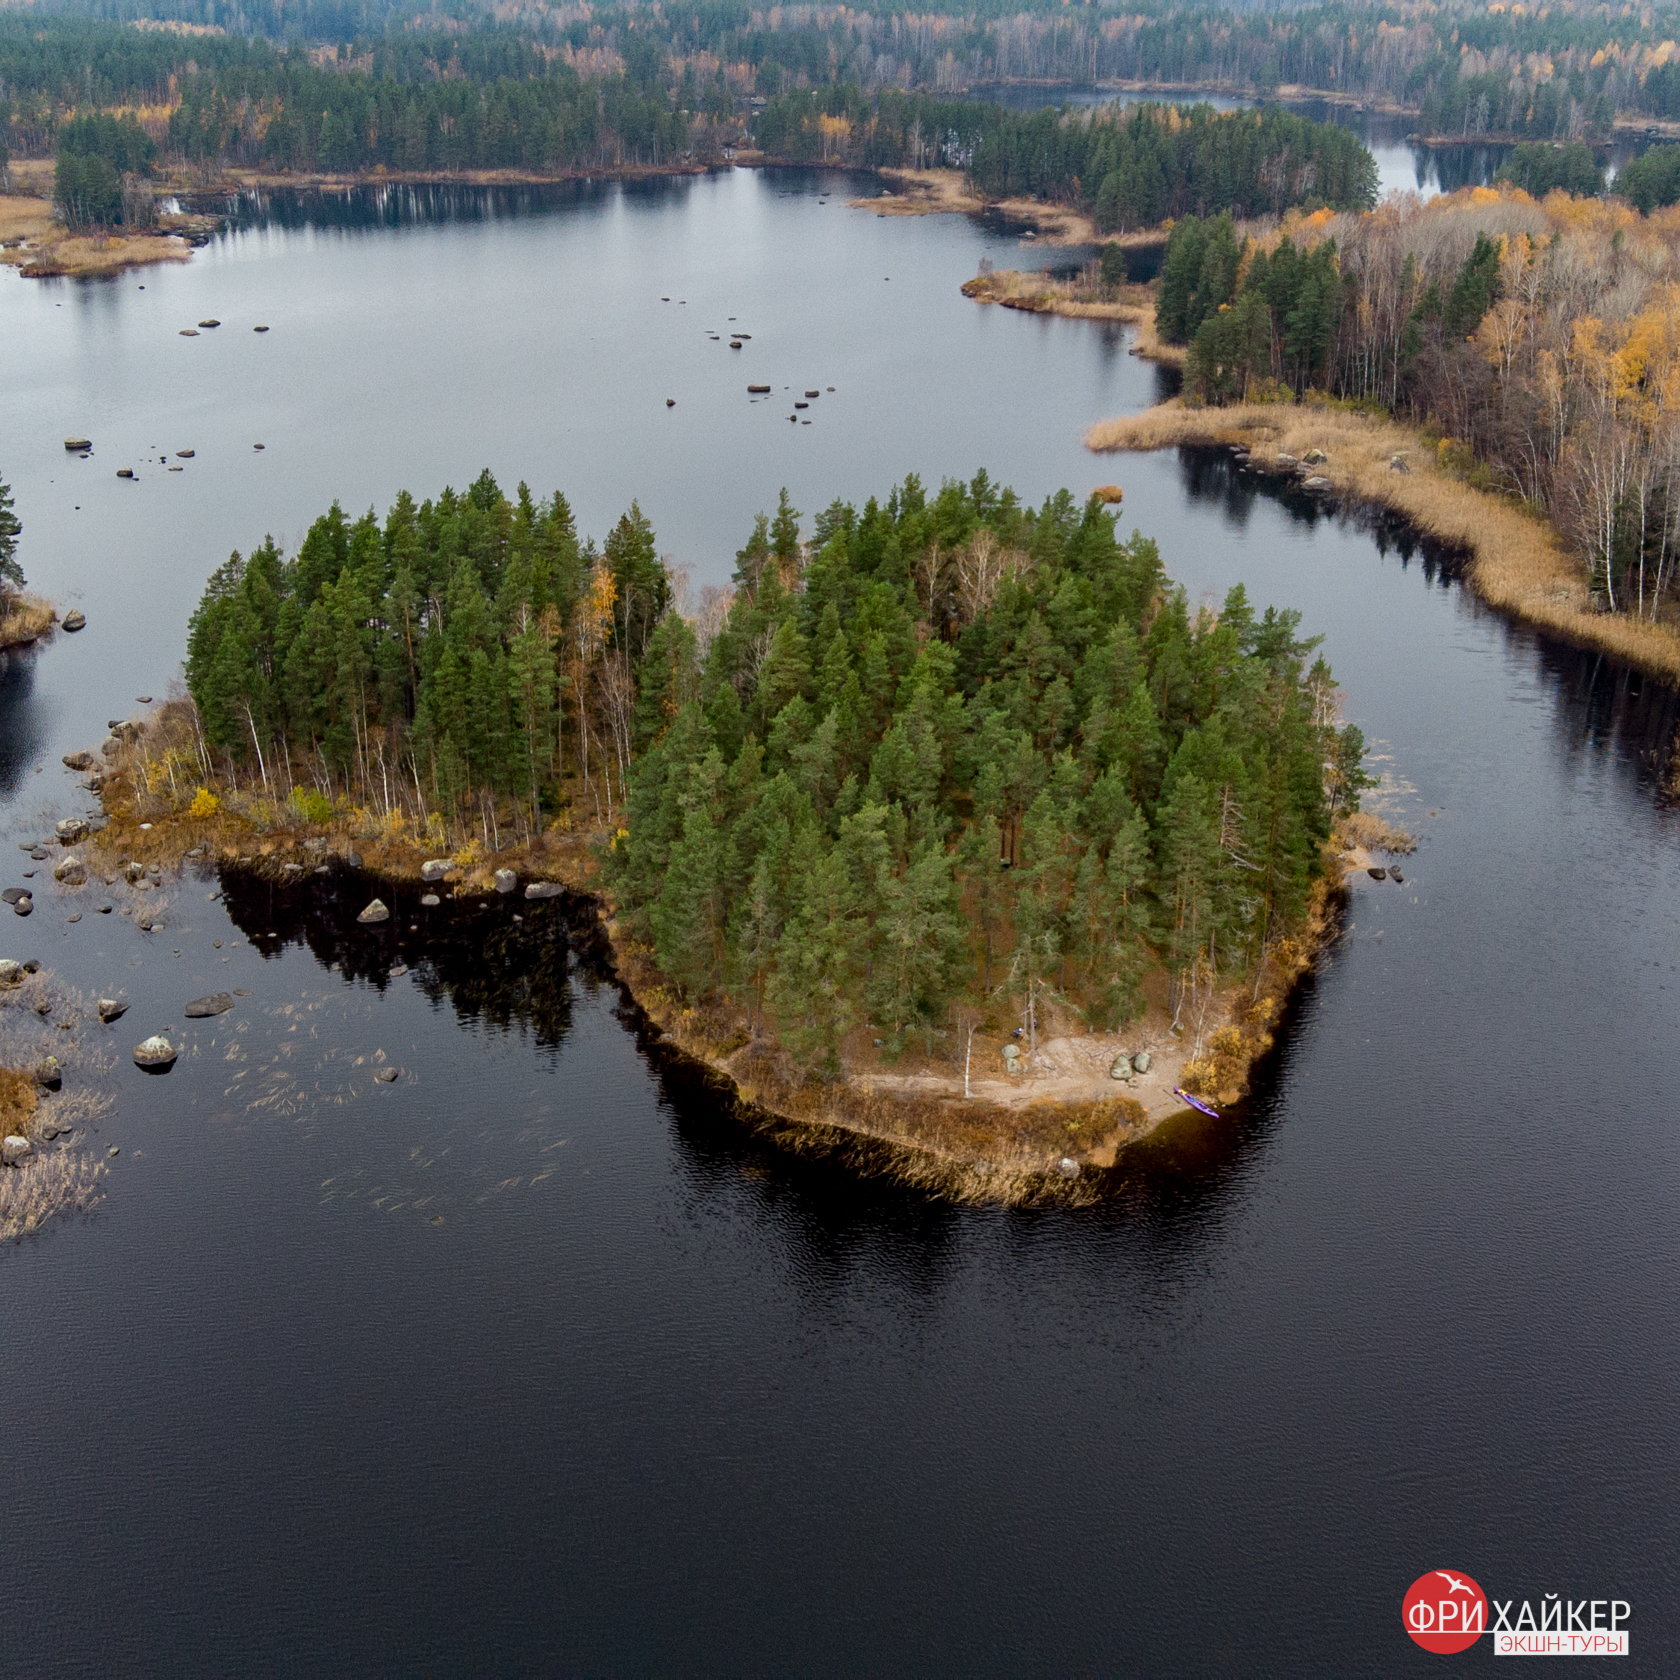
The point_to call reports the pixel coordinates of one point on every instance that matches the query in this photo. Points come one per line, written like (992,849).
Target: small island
(951,826)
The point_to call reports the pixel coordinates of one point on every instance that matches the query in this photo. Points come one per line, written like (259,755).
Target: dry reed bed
(40,1018)
(1040,295)
(1519,563)
(30,618)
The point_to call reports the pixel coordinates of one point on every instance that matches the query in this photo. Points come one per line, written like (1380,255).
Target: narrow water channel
(532,1360)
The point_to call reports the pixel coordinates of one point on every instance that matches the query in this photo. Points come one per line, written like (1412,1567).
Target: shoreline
(1134,303)
(29,620)
(1012,1141)
(1518,563)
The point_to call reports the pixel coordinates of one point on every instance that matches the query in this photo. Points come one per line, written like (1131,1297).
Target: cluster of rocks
(1123,1067)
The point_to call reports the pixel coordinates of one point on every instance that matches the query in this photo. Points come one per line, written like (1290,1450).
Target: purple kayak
(1196,1103)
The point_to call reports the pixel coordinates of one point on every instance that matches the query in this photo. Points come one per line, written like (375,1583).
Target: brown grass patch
(1040,295)
(1376,834)
(29,620)
(17,1101)
(1519,564)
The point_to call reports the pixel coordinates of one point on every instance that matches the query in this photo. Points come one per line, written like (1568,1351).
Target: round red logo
(1445,1611)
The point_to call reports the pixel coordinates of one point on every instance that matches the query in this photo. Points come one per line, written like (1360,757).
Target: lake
(534,1360)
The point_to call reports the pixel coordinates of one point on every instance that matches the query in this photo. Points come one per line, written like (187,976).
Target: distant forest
(1555,72)
(1133,167)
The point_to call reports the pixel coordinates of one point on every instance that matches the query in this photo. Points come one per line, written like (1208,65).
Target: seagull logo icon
(1457,1585)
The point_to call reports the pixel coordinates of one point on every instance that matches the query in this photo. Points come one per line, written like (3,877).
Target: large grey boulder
(434,869)
(13,1150)
(24,906)
(75,620)
(1140,1061)
(506,880)
(1120,1068)
(215,1003)
(155,1054)
(71,830)
(544,889)
(375,912)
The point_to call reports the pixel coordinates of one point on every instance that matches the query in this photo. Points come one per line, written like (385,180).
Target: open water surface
(533,1361)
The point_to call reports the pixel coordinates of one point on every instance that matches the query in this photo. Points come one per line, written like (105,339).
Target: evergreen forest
(1131,167)
(938,748)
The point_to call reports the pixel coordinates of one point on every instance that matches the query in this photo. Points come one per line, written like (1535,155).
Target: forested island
(950,823)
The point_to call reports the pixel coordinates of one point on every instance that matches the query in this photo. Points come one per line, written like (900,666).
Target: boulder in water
(375,912)
(758,390)
(70,870)
(155,1054)
(544,889)
(213,1003)
(388,1075)
(75,443)
(12,894)
(1394,873)
(25,906)
(506,880)
(434,869)
(1377,874)
(11,973)
(78,761)
(111,1009)
(430,900)
(13,1150)
(75,619)
(71,830)
(48,1074)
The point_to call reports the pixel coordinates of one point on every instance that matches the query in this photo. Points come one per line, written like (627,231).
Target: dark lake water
(652,1397)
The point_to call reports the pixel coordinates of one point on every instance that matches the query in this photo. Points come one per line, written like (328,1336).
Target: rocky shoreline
(1011,1123)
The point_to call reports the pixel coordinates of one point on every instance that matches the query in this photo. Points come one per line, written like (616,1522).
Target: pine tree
(11,571)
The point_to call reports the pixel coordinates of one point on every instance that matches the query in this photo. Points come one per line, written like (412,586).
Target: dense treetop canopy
(942,746)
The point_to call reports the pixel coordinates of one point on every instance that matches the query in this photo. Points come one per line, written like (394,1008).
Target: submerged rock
(388,1075)
(111,1009)
(213,1003)
(1377,874)
(430,900)
(25,906)
(1394,873)
(78,443)
(70,870)
(78,761)
(11,973)
(12,894)
(155,1054)
(375,912)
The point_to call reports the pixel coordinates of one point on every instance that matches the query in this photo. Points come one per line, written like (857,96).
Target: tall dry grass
(47,1186)
(1519,563)
(1039,294)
